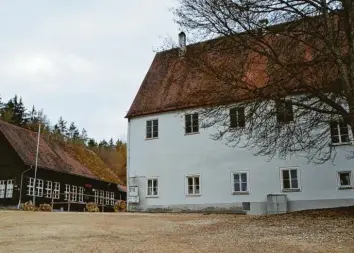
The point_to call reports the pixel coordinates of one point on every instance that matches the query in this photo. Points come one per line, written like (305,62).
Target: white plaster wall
(174,155)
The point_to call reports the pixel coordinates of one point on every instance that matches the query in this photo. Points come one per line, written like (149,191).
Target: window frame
(67,192)
(30,186)
(298,174)
(152,129)
(187,185)
(152,187)
(247,192)
(48,190)
(2,189)
(236,114)
(101,199)
(282,115)
(9,189)
(111,199)
(81,194)
(56,191)
(191,123)
(341,187)
(39,187)
(339,134)
(73,193)
(107,198)
(97,195)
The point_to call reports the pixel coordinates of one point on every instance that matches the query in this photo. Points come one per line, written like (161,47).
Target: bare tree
(288,64)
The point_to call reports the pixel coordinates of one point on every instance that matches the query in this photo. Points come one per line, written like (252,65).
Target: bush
(92,207)
(45,208)
(120,206)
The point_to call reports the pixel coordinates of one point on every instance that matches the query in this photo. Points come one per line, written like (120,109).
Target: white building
(174,165)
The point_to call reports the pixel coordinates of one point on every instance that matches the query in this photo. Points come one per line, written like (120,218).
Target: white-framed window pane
(290,179)
(74,193)
(152,187)
(48,189)
(101,196)
(56,191)
(9,188)
(81,194)
(30,186)
(67,192)
(344,179)
(112,199)
(152,129)
(2,189)
(107,198)
(39,187)
(193,185)
(96,196)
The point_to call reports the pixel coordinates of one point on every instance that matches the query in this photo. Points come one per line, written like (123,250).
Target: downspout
(20,198)
(128,164)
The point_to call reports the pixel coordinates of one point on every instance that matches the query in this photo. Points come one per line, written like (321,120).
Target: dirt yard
(128,232)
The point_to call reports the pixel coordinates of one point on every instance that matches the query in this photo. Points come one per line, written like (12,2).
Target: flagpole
(35,167)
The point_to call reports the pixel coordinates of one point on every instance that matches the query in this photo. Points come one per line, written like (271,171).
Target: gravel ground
(131,232)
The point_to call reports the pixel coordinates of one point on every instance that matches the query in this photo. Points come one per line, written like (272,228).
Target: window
(339,132)
(112,199)
(152,129)
(344,179)
(285,112)
(2,189)
(9,188)
(74,193)
(40,184)
(101,196)
(48,189)
(96,196)
(237,117)
(192,123)
(193,185)
(67,192)
(107,198)
(152,187)
(30,186)
(240,182)
(290,179)
(56,191)
(81,194)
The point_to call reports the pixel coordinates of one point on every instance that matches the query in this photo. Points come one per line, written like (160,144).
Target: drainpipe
(19,200)
(35,167)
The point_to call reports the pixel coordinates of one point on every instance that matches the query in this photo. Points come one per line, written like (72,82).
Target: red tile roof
(52,155)
(174,83)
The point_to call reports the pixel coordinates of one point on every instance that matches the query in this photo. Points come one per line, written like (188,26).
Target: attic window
(237,117)
(284,110)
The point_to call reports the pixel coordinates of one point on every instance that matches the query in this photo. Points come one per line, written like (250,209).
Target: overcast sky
(81,59)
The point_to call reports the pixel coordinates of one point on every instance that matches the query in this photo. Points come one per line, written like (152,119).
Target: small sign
(88,185)
(133,199)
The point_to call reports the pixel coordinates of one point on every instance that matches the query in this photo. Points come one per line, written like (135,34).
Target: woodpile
(92,207)
(120,206)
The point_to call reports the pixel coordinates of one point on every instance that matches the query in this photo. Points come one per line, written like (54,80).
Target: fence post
(52,201)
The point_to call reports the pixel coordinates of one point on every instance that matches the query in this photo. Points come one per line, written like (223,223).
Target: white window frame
(30,186)
(101,197)
(291,189)
(107,198)
(2,188)
(81,194)
(112,198)
(39,187)
(152,129)
(74,193)
(96,195)
(239,172)
(340,135)
(350,186)
(9,188)
(67,192)
(48,189)
(192,123)
(187,186)
(56,192)
(153,186)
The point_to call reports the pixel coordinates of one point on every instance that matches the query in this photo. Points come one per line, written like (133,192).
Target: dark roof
(55,156)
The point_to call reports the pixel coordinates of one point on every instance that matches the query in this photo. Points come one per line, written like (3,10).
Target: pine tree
(61,126)
(92,143)
(72,130)
(111,144)
(83,136)
(103,144)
